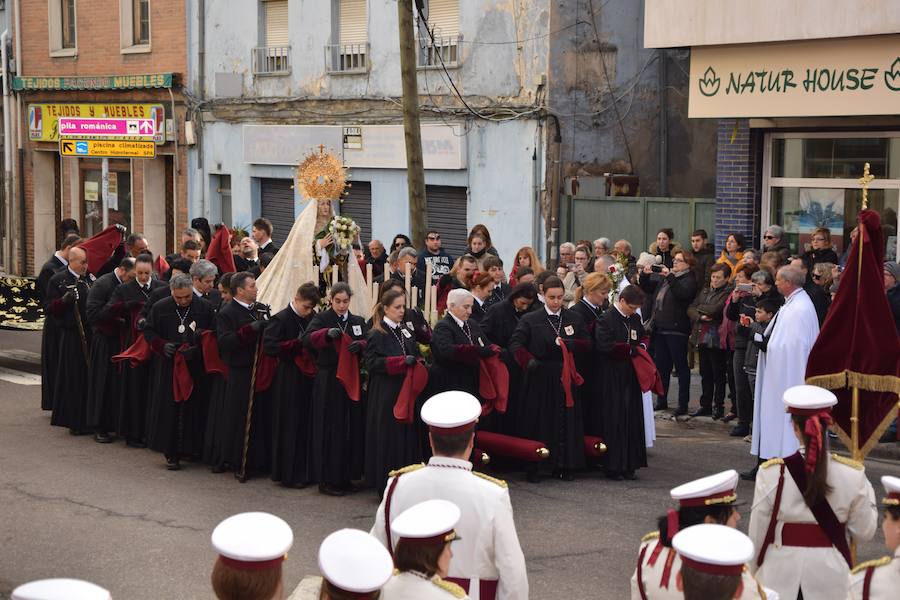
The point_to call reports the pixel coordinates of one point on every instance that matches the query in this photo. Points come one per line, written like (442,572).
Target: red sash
(348,367)
(265,370)
(569,375)
(212,361)
(182,382)
(414,382)
(645,369)
(138,353)
(493,384)
(305,362)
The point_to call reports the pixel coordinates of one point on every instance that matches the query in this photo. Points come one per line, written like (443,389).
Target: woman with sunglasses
(820,249)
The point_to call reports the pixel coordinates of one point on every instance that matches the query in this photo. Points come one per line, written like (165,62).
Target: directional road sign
(107,148)
(82,128)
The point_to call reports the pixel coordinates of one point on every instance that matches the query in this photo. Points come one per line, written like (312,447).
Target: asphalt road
(114,515)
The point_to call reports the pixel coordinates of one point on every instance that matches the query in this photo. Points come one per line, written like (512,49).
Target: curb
(21,360)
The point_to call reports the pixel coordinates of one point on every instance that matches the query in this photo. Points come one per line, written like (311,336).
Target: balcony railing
(347,58)
(272,60)
(440,51)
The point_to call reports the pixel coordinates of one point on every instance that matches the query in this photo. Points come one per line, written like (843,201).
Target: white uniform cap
(451,412)
(714,549)
(60,589)
(253,540)
(891,490)
(429,522)
(802,398)
(354,561)
(713,489)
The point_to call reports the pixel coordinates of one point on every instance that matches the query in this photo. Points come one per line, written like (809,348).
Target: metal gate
(277,199)
(447,207)
(357,205)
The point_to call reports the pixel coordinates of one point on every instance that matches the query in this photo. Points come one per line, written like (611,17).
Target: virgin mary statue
(305,257)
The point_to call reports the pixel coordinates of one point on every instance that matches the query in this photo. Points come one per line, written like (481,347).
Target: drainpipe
(536,184)
(20,148)
(7,157)
(663,95)
(201,94)
(554,167)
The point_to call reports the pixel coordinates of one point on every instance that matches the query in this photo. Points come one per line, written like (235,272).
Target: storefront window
(835,157)
(119,199)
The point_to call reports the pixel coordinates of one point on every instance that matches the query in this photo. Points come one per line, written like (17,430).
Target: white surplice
(791,334)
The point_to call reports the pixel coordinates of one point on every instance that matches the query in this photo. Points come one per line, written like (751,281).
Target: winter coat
(674,248)
(669,314)
(711,303)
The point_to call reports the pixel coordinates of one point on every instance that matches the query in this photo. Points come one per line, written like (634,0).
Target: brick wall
(737,181)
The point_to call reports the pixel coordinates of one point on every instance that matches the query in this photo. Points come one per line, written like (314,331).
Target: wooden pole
(429,268)
(415,170)
(408,279)
(334,274)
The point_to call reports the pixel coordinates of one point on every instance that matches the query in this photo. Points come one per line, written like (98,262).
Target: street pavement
(116,516)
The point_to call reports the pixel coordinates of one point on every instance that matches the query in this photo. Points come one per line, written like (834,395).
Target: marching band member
(880,579)
(354,565)
(713,560)
(252,548)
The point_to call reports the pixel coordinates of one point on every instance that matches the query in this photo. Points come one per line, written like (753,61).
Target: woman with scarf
(733,253)
(707,313)
(807,507)
(665,246)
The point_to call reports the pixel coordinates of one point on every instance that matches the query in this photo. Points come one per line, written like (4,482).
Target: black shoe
(729,418)
(717,414)
(172,464)
(630,475)
(740,431)
(102,438)
(566,475)
(660,406)
(680,412)
(532,476)
(350,488)
(330,490)
(219,469)
(751,474)
(614,475)
(135,444)
(701,412)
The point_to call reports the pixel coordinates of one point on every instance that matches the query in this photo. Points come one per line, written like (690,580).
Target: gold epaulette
(449,586)
(771,462)
(406,469)
(493,480)
(848,461)
(878,562)
(653,535)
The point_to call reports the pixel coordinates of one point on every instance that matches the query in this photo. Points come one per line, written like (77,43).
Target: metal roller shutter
(277,23)
(447,213)
(354,23)
(443,17)
(277,199)
(357,205)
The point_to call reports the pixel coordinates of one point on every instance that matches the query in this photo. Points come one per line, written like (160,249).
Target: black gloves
(533,364)
(334,333)
(410,360)
(169,349)
(355,347)
(141,324)
(485,351)
(189,353)
(69,297)
(258,326)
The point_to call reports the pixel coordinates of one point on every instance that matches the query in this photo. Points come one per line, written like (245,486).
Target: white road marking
(19,377)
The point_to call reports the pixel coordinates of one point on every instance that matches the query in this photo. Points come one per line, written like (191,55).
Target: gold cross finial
(864,181)
(322,151)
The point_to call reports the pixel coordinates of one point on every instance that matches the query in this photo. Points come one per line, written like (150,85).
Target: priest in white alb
(789,338)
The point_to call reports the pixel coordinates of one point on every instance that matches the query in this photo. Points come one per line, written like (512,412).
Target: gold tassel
(863,381)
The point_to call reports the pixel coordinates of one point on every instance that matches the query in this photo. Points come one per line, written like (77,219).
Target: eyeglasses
(678,260)
(768,237)
(818,239)
(817,277)
(434,238)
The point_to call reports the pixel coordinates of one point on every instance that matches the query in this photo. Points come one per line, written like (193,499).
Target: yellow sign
(43,119)
(107,148)
(837,77)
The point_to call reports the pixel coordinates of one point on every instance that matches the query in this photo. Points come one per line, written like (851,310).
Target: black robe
(414,321)
(456,357)
(70,378)
(269,248)
(544,415)
(104,318)
(338,423)
(622,407)
(291,397)
(134,382)
(587,366)
(389,443)
(498,295)
(478,310)
(50,332)
(155,296)
(238,346)
(499,323)
(176,428)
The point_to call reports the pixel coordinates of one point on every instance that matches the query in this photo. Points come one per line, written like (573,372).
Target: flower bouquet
(344,230)
(616,273)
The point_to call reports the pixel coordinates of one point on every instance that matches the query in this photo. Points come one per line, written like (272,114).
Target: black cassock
(455,351)
(587,368)
(478,310)
(134,382)
(238,344)
(104,318)
(291,396)
(389,443)
(70,377)
(622,406)
(498,325)
(338,423)
(543,414)
(49,333)
(498,295)
(176,428)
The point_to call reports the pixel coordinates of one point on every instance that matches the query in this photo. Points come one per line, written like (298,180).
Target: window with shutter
(443,23)
(443,17)
(354,22)
(277,23)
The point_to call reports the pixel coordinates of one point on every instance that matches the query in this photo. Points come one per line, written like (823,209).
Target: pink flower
(613,269)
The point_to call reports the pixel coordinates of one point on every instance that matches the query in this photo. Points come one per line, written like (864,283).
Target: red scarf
(569,374)
(414,382)
(348,367)
(265,370)
(645,369)
(493,384)
(182,382)
(305,362)
(138,353)
(212,361)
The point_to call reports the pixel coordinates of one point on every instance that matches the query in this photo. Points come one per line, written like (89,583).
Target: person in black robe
(50,333)
(291,388)
(494,267)
(457,347)
(481,288)
(391,348)
(499,323)
(203,280)
(106,320)
(617,335)
(134,381)
(413,318)
(239,326)
(591,300)
(544,415)
(66,304)
(337,420)
(174,327)
(213,448)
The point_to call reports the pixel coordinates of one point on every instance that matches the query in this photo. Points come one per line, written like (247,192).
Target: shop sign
(287,144)
(107,82)
(443,147)
(43,119)
(107,148)
(352,138)
(836,77)
(76,127)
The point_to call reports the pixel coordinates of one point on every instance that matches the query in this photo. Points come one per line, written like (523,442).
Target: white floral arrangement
(616,273)
(344,230)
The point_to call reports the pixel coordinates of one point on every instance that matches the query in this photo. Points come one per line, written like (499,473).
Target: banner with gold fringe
(19,304)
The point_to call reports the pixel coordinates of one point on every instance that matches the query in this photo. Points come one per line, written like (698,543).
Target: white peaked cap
(451,411)
(429,522)
(60,589)
(808,397)
(891,490)
(354,561)
(713,489)
(252,537)
(715,549)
